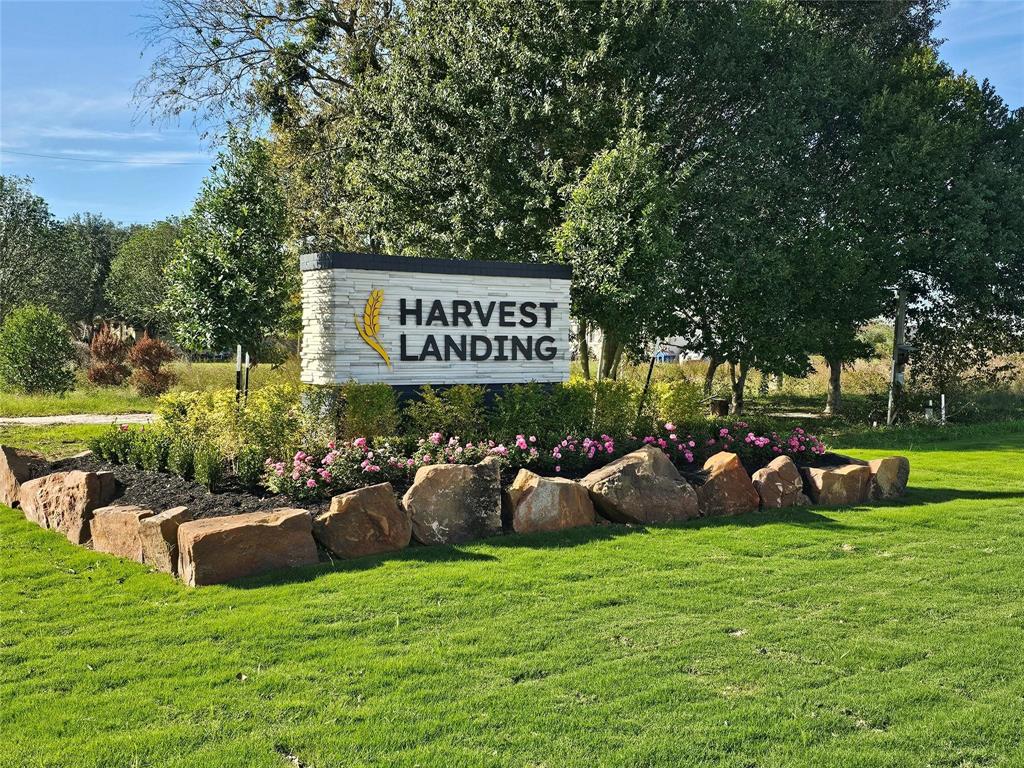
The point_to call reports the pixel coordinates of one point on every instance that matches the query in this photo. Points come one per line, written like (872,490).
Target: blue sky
(67,71)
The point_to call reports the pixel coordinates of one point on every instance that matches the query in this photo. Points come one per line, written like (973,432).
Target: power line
(98,160)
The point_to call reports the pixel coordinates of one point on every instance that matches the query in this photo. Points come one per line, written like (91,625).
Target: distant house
(666,356)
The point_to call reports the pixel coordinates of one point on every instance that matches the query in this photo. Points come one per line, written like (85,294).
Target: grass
(886,636)
(56,442)
(88,398)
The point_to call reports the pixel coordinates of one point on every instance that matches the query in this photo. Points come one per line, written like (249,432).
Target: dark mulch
(159,491)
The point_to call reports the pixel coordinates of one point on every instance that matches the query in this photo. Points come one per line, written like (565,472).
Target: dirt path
(77,418)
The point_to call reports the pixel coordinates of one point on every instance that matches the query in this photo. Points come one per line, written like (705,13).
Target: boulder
(17,467)
(548,503)
(159,536)
(64,501)
(218,549)
(837,486)
(642,487)
(454,503)
(779,484)
(728,489)
(115,530)
(366,521)
(889,477)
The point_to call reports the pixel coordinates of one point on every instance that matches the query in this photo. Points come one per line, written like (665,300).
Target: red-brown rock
(642,487)
(115,530)
(219,549)
(779,484)
(889,477)
(159,536)
(64,501)
(548,503)
(366,521)
(17,467)
(728,489)
(455,503)
(838,486)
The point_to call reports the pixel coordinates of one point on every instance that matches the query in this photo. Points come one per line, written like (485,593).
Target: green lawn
(56,442)
(888,636)
(87,398)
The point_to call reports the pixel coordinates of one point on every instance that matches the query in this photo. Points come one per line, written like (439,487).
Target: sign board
(410,321)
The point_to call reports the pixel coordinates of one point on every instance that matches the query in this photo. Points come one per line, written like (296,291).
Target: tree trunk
(709,377)
(779,381)
(619,348)
(584,347)
(762,386)
(739,382)
(610,351)
(834,399)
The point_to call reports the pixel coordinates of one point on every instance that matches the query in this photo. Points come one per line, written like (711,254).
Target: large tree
(230,278)
(45,261)
(137,284)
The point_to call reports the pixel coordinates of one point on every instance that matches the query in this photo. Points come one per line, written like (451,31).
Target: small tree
(229,280)
(107,365)
(147,358)
(618,234)
(36,353)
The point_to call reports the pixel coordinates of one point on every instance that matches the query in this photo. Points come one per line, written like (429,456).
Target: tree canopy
(755,178)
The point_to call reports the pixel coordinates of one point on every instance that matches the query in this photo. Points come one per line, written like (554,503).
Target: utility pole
(900,353)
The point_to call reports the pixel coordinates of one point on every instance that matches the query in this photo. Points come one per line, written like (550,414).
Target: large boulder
(837,486)
(159,537)
(218,549)
(454,503)
(17,467)
(728,489)
(779,484)
(642,487)
(64,501)
(548,503)
(115,530)
(889,477)
(366,521)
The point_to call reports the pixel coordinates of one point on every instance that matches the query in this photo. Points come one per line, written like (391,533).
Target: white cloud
(94,134)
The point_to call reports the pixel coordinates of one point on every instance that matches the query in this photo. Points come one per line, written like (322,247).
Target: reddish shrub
(107,355)
(147,358)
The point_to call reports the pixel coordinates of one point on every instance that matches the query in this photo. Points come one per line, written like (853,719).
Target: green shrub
(677,401)
(209,465)
(249,466)
(112,444)
(181,456)
(370,410)
(36,353)
(522,409)
(151,448)
(458,410)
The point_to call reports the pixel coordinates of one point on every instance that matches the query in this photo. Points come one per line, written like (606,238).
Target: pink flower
(435,438)
(557,468)
(360,442)
(670,426)
(533,438)
(311,483)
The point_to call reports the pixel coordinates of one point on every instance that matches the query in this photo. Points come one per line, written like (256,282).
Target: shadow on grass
(413,553)
(943,495)
(556,540)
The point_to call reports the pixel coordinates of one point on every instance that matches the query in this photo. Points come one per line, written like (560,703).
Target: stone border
(446,504)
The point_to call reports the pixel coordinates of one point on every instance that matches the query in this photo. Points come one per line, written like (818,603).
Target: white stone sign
(409,321)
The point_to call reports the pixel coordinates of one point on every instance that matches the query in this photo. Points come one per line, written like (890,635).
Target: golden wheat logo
(369,329)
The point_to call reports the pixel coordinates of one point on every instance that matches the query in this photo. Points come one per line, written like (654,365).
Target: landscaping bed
(162,490)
